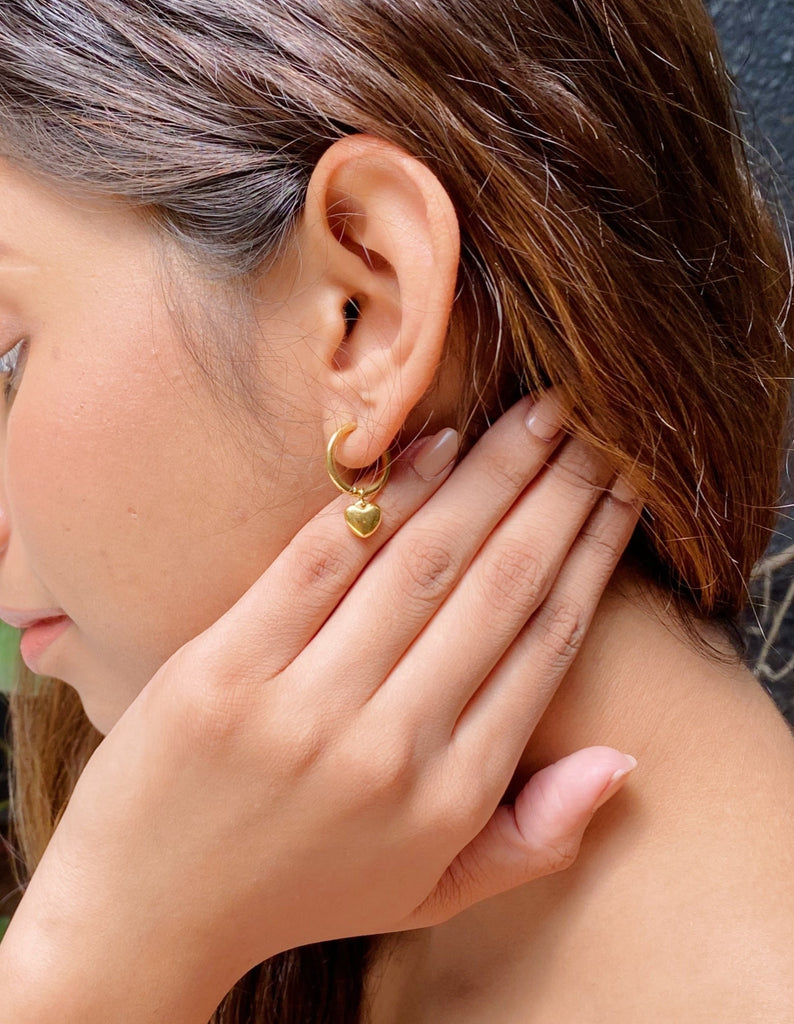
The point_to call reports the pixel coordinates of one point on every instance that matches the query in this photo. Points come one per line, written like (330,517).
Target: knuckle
(505,471)
(605,547)
(466,816)
(462,804)
(560,855)
(581,467)
(295,732)
(388,773)
(516,575)
(427,569)
(564,623)
(324,567)
(303,748)
(215,714)
(452,811)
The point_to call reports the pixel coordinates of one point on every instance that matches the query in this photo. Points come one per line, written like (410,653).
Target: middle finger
(407,582)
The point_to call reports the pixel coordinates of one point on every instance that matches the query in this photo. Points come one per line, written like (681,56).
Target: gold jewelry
(363,517)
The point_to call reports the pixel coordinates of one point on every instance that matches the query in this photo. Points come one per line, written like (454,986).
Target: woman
(402,216)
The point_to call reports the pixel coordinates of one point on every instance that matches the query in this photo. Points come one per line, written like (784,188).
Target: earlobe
(392,243)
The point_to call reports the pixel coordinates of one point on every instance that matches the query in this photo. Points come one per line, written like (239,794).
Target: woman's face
(134,501)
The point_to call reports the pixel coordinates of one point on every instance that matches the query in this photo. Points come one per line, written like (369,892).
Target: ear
(391,246)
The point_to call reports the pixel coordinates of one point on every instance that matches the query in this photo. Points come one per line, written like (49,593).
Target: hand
(327,759)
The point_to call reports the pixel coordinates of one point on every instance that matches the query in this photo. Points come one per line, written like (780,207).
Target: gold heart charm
(362,518)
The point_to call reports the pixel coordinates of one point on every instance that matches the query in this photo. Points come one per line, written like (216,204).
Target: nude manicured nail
(435,454)
(616,781)
(545,418)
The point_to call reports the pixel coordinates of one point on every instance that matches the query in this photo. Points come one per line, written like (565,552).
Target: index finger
(284,609)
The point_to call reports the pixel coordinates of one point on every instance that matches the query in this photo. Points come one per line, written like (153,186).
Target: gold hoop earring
(363,517)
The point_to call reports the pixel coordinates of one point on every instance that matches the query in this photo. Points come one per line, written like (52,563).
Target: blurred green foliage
(9,647)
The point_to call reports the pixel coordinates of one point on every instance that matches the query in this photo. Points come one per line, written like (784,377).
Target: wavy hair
(613,244)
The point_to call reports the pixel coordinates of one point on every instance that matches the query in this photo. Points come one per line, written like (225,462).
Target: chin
(100,708)
(104,688)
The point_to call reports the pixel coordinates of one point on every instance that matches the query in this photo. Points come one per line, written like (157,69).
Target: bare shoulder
(681,906)
(706,904)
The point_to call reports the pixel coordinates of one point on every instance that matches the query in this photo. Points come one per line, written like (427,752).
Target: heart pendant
(362,518)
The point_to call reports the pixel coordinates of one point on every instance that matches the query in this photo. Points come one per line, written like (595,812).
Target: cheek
(138,505)
(75,456)
(103,470)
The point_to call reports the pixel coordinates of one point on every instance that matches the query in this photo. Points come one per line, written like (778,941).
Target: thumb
(536,836)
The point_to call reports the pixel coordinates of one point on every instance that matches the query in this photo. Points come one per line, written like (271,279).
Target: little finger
(504,585)
(496,724)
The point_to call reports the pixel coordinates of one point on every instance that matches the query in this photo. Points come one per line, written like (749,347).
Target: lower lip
(38,637)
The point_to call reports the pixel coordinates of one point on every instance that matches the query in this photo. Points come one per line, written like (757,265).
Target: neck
(639,682)
(700,728)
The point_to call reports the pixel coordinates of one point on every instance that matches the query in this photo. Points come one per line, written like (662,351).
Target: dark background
(758,39)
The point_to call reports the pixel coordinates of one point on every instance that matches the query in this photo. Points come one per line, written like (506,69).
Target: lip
(24,620)
(38,637)
(40,629)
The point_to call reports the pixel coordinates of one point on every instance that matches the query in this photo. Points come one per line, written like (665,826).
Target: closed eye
(11,364)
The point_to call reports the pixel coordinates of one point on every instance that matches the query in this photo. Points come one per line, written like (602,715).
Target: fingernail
(623,491)
(616,781)
(435,454)
(546,416)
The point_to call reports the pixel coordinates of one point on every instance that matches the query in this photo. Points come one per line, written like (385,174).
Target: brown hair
(613,243)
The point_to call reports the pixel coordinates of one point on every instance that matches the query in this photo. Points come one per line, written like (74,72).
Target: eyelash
(11,367)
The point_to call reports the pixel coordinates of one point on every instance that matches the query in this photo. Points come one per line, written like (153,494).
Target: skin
(110,426)
(148,521)
(114,420)
(680,906)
